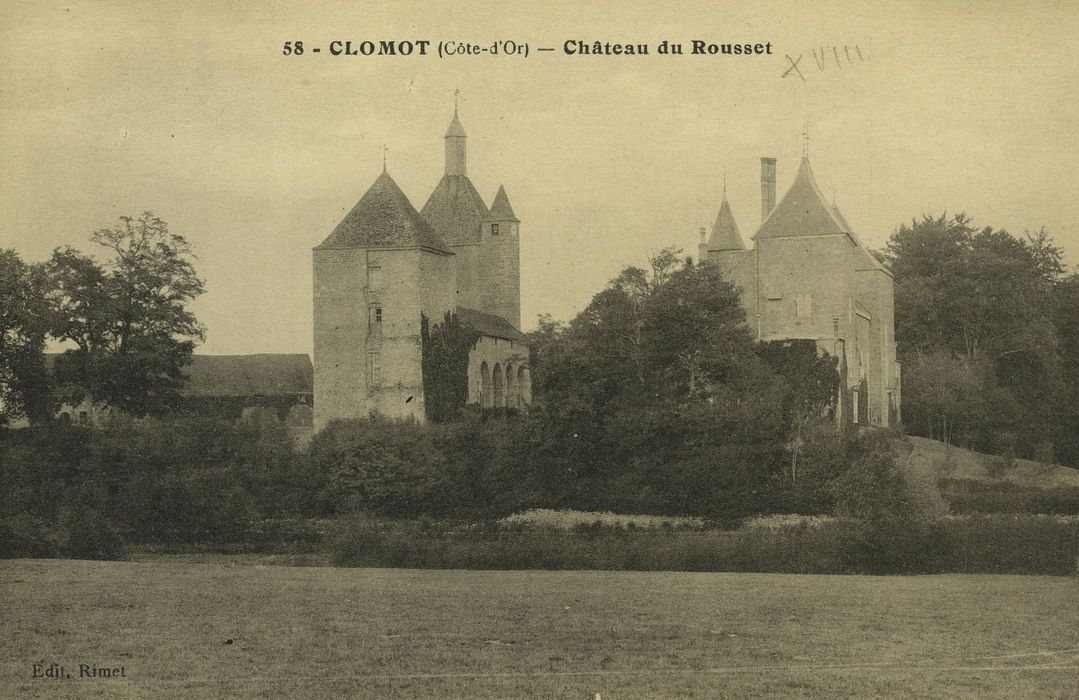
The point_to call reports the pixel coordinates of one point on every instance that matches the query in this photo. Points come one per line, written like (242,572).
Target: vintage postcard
(539,349)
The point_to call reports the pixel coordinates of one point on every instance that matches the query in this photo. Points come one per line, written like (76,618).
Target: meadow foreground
(227,630)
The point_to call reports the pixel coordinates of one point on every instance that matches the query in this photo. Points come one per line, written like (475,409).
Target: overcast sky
(191,110)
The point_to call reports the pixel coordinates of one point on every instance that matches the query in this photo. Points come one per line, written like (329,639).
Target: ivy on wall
(444,364)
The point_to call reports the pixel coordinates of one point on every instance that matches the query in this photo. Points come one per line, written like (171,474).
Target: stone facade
(387,265)
(808,276)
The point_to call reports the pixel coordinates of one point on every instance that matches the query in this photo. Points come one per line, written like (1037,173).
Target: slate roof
(455,210)
(249,375)
(501,209)
(384,218)
(725,233)
(489,324)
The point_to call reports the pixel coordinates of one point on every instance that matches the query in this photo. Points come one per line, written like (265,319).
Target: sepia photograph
(539,350)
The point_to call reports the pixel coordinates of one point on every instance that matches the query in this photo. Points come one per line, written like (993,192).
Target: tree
(978,325)
(812,382)
(695,331)
(24,323)
(128,319)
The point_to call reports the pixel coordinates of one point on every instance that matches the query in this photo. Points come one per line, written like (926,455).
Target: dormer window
(494,229)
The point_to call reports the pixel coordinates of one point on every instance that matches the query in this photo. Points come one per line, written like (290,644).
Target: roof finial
(724,182)
(385,150)
(805,140)
(456,93)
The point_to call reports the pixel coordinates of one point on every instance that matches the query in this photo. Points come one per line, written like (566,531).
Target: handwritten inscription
(823,59)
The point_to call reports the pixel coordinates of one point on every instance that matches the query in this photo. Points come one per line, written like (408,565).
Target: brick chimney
(768,187)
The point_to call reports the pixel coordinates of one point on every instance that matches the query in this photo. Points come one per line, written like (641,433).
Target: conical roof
(384,218)
(725,233)
(802,211)
(501,209)
(455,210)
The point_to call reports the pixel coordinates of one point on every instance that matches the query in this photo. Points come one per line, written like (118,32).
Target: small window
(374,368)
(494,229)
(803,304)
(376,313)
(84,417)
(374,277)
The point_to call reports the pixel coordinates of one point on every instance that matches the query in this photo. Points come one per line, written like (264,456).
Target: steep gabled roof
(725,233)
(501,209)
(248,375)
(384,218)
(803,211)
(489,324)
(455,210)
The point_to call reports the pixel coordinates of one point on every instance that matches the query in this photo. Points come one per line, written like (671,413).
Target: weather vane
(456,92)
(805,141)
(385,150)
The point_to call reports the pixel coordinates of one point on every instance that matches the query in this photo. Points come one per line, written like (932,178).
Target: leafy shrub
(971,496)
(377,465)
(88,534)
(885,546)
(24,536)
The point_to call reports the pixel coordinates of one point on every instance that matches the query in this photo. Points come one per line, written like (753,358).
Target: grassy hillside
(210,630)
(939,461)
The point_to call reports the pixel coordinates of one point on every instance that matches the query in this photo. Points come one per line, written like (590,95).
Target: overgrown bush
(88,534)
(1026,544)
(970,496)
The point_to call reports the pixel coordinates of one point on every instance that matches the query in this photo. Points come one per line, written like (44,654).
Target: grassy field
(224,630)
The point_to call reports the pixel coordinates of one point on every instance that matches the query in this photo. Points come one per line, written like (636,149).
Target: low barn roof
(249,375)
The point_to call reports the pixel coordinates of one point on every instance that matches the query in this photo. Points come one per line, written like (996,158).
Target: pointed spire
(725,233)
(455,145)
(501,209)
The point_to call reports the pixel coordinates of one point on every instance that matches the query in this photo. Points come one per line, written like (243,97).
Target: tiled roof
(501,209)
(725,234)
(802,211)
(242,375)
(489,324)
(455,210)
(384,218)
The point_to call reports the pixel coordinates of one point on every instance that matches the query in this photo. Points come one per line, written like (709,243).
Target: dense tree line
(124,323)
(987,325)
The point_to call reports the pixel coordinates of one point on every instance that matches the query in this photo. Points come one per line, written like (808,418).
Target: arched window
(524,386)
(513,397)
(485,385)
(499,399)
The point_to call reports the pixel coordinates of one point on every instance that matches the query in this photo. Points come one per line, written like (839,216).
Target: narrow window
(374,369)
(804,306)
(494,229)
(84,418)
(374,277)
(376,314)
